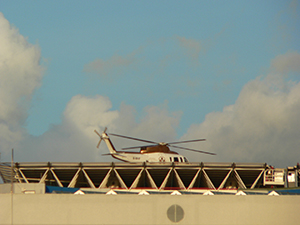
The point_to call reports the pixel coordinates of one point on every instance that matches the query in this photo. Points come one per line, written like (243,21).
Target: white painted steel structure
(158,176)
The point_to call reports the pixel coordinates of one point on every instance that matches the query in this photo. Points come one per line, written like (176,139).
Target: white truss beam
(74,179)
(88,179)
(56,178)
(24,177)
(44,176)
(257,179)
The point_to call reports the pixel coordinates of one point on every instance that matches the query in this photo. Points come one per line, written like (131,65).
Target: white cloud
(157,124)
(74,139)
(262,125)
(20,75)
(86,114)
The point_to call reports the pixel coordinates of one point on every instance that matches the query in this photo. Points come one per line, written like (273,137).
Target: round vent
(175,213)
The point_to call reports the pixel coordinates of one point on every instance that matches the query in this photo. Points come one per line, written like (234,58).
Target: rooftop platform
(150,176)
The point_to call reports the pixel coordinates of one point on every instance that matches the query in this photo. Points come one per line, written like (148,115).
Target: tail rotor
(100,136)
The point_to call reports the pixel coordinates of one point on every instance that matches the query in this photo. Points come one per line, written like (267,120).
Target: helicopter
(155,152)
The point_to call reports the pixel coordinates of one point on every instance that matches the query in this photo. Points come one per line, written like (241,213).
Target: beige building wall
(119,209)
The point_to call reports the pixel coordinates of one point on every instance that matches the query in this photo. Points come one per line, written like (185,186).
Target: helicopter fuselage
(149,157)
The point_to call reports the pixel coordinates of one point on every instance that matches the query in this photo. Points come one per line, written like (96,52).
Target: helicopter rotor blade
(99,143)
(193,150)
(97,133)
(136,139)
(100,138)
(181,142)
(162,143)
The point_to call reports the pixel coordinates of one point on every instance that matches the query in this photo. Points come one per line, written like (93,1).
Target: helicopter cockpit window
(176,159)
(185,160)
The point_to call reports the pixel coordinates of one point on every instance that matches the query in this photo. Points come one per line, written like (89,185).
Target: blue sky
(148,63)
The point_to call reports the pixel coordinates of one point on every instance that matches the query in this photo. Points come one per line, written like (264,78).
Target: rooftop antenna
(11,184)
(12,171)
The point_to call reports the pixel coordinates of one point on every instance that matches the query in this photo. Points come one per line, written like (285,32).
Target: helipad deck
(159,176)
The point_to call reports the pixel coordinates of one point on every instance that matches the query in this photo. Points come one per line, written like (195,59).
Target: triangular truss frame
(167,176)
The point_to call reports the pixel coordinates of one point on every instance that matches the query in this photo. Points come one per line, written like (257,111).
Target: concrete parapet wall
(19,188)
(72,209)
